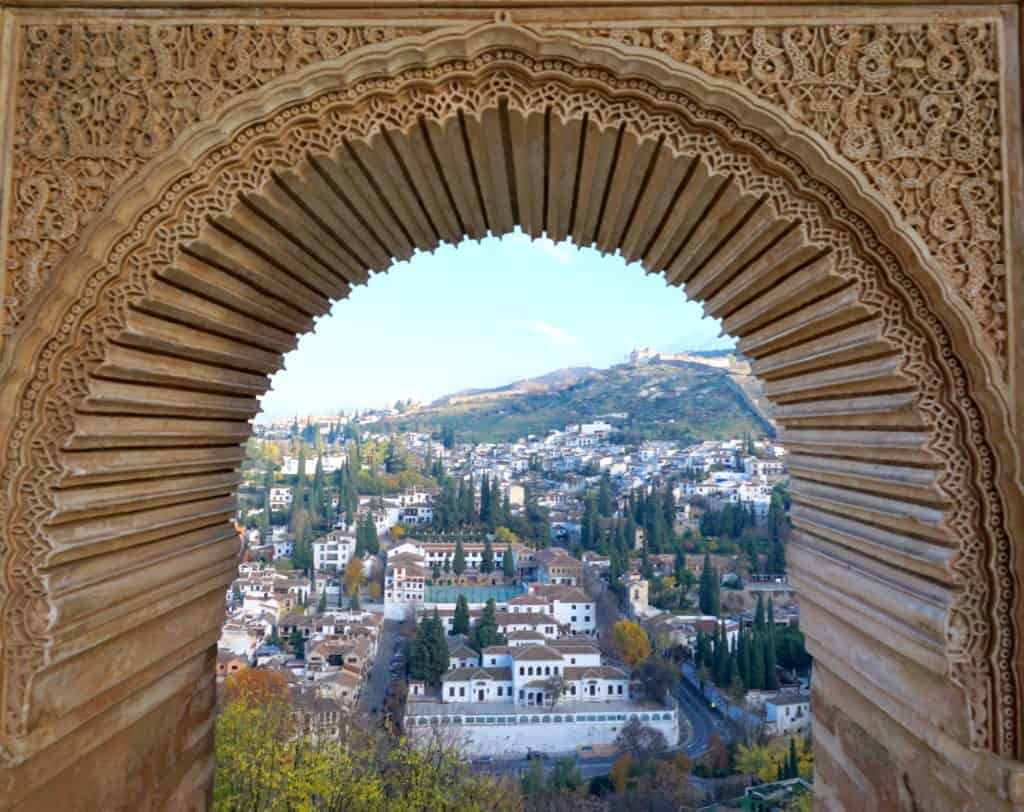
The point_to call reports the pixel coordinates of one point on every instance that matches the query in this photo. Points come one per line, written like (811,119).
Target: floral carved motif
(96,101)
(980,634)
(914,106)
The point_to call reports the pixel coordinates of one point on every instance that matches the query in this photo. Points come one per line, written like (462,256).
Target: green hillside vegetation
(665,401)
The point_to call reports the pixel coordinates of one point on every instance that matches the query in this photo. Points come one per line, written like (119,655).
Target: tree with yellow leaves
(764,760)
(354,575)
(264,764)
(630,642)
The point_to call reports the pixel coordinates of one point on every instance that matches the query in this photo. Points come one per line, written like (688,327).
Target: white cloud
(556,334)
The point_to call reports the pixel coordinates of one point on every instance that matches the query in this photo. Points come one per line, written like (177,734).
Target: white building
(281,498)
(284,548)
(331,553)
(331,463)
(554,696)
(404,583)
(787,713)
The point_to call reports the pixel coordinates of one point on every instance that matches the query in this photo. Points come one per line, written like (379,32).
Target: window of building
(462,691)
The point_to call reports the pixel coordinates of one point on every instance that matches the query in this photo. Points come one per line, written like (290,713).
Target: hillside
(675,400)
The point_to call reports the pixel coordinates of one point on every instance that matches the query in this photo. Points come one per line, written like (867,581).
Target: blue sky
(481,315)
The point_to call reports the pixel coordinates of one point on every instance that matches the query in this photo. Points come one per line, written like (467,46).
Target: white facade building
(331,553)
(281,498)
(555,696)
(787,713)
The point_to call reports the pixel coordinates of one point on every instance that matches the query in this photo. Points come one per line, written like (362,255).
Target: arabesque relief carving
(981,637)
(95,102)
(914,106)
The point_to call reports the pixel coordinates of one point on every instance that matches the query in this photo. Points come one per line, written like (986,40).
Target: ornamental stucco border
(58,372)
(915,102)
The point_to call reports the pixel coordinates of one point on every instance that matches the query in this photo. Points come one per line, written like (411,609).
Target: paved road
(703,720)
(377,685)
(589,767)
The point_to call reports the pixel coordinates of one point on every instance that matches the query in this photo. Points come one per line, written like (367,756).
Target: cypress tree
(459,565)
(485,500)
(507,563)
(506,509)
(460,622)
(470,505)
(419,653)
(706,587)
(439,654)
(298,644)
(794,762)
(487,558)
(743,657)
(771,678)
(494,506)
(756,662)
(372,542)
(485,632)
(604,496)
(759,614)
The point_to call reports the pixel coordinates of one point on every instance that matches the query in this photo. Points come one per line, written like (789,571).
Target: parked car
(536,755)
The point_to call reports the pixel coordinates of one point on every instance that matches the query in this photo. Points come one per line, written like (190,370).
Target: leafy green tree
(395,460)
(448,438)
(460,621)
(565,776)
(321,606)
(532,781)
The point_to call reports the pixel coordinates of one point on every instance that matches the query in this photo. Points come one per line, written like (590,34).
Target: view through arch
(460,136)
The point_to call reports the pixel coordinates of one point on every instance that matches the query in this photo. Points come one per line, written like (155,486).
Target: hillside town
(528,599)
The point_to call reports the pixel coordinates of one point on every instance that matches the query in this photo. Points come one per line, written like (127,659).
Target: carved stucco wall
(914,106)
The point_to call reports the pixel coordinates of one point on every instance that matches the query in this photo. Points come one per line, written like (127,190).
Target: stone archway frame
(981,643)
